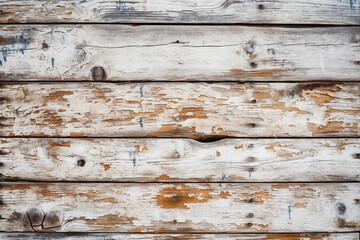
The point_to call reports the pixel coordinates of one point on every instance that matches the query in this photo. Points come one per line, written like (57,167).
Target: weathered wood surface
(117,236)
(207,53)
(180,160)
(109,207)
(195,110)
(189,11)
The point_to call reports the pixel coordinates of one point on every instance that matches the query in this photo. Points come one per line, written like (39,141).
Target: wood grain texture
(195,110)
(189,11)
(117,236)
(180,160)
(169,53)
(109,207)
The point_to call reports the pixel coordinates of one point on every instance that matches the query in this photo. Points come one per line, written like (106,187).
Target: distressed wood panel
(195,110)
(117,236)
(68,207)
(189,11)
(211,53)
(169,160)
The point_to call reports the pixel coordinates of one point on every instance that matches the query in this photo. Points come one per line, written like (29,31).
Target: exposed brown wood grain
(236,208)
(178,53)
(195,110)
(180,160)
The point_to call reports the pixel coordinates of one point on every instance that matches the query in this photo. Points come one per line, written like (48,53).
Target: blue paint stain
(289,211)
(141,122)
(223,177)
(53,62)
(0,63)
(132,156)
(17,110)
(141,90)
(18,43)
(352,5)
(120,6)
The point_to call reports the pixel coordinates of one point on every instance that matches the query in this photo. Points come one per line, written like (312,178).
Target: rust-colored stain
(217,153)
(108,221)
(258,197)
(192,113)
(105,166)
(256,74)
(164,177)
(4,141)
(239,147)
(280,186)
(331,127)
(312,236)
(180,195)
(138,150)
(76,134)
(101,93)
(270,148)
(320,98)
(300,205)
(58,96)
(284,153)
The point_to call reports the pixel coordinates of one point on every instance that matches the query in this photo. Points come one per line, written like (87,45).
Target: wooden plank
(169,53)
(118,236)
(195,110)
(189,11)
(169,160)
(235,208)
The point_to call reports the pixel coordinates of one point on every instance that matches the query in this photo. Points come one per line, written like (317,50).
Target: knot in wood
(98,74)
(249,47)
(36,216)
(340,208)
(81,162)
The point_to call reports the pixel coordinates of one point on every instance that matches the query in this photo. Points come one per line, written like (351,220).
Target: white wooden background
(153,119)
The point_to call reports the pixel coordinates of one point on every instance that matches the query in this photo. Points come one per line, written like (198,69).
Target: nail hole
(81,162)
(177,118)
(251,169)
(98,74)
(249,224)
(174,221)
(260,7)
(250,200)
(250,145)
(176,155)
(253,101)
(252,125)
(177,41)
(357,62)
(250,215)
(1,164)
(253,64)
(356,155)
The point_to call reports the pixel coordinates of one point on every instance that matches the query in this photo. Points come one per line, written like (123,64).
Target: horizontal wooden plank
(117,236)
(195,110)
(171,160)
(187,11)
(211,53)
(105,207)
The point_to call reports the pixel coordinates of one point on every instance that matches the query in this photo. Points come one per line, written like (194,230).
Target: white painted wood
(103,207)
(121,236)
(184,160)
(195,110)
(187,11)
(205,53)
